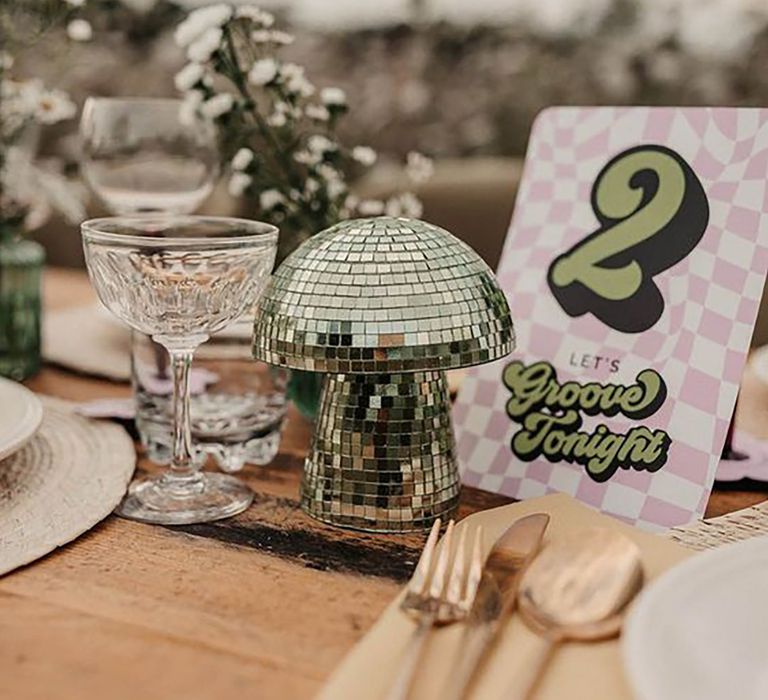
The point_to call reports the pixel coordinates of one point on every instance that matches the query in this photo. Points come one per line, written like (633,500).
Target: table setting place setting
(315,446)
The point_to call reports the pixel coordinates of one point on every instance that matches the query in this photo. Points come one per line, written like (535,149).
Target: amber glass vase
(21,265)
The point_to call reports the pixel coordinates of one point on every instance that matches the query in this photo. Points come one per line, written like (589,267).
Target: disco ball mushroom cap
(383,295)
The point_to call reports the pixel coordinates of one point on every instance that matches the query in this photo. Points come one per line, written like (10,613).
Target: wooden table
(263,605)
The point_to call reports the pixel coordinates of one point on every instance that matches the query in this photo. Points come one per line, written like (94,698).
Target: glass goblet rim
(140,230)
(133,100)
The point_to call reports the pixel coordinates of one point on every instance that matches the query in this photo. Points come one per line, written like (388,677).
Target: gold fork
(437,595)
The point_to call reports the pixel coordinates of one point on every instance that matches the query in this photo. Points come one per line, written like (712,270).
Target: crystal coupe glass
(179,279)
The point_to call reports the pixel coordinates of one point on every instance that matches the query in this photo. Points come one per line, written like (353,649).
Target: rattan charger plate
(66,479)
(100,347)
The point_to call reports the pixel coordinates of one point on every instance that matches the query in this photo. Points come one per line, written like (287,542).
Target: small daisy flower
(371,207)
(364,155)
(333,97)
(418,167)
(54,106)
(295,81)
(190,105)
(411,205)
(262,17)
(317,112)
(200,22)
(202,48)
(80,30)
(218,105)
(243,158)
(277,119)
(269,199)
(238,184)
(319,144)
(263,72)
(281,38)
(189,76)
(307,158)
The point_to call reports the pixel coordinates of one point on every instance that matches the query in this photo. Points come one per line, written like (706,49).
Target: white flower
(295,81)
(311,185)
(364,155)
(40,188)
(75,3)
(255,14)
(328,172)
(317,112)
(189,76)
(333,97)
(277,119)
(54,106)
(393,207)
(238,184)
(200,21)
(218,105)
(269,199)
(261,36)
(283,38)
(80,30)
(418,167)
(319,144)
(242,159)
(273,36)
(307,158)
(336,188)
(6,60)
(349,206)
(371,207)
(263,72)
(189,107)
(411,205)
(200,50)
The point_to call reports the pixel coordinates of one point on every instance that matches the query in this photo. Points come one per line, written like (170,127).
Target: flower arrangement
(29,191)
(278,131)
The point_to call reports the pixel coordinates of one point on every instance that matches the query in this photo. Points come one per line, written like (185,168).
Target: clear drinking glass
(179,279)
(237,404)
(139,156)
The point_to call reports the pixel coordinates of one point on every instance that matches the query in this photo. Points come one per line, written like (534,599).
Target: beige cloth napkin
(577,672)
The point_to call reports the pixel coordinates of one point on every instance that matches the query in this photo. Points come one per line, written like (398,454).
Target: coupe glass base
(214,497)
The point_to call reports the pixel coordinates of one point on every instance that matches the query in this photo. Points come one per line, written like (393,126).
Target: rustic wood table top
(263,605)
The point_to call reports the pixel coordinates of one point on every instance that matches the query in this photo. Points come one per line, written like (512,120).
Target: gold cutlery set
(572,589)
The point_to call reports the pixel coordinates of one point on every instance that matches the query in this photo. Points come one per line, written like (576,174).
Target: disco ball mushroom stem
(383,307)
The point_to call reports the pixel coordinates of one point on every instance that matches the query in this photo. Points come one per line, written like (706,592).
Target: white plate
(20,416)
(701,631)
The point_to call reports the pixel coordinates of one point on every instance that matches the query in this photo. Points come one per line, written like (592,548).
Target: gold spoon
(577,590)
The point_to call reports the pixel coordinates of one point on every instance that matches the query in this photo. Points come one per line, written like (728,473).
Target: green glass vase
(21,266)
(304,390)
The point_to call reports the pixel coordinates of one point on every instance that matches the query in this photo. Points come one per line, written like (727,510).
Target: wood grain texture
(263,605)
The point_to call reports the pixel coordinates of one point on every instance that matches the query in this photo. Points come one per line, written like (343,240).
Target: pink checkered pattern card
(634,268)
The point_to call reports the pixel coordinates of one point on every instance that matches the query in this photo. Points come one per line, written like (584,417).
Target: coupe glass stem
(183,475)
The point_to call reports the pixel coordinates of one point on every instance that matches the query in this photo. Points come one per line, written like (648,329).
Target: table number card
(634,268)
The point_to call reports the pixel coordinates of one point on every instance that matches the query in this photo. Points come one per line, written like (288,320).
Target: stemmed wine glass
(179,279)
(140,156)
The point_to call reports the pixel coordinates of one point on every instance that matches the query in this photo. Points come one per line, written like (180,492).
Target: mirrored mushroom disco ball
(383,306)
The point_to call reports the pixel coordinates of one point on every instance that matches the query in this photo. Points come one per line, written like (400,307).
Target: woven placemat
(86,339)
(66,479)
(725,529)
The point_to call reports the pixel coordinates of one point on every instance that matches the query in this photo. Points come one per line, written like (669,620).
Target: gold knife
(495,598)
